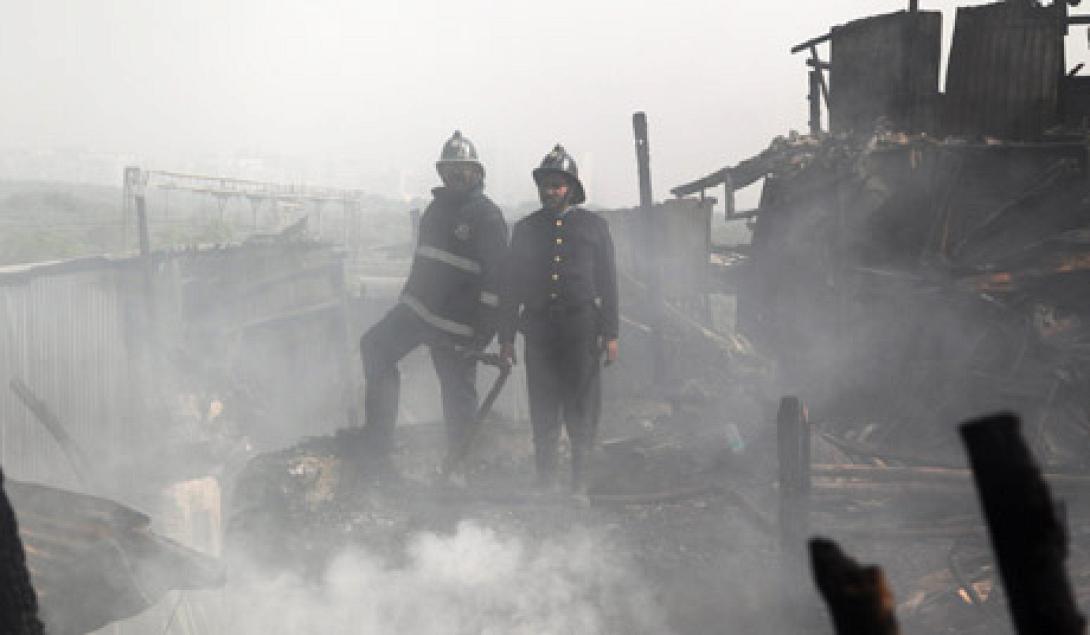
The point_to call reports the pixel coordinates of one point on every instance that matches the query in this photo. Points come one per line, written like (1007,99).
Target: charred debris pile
(924,257)
(919,260)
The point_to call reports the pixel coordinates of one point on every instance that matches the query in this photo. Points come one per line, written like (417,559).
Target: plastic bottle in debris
(734,439)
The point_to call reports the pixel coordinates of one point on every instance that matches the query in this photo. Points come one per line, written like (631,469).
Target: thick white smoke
(474,580)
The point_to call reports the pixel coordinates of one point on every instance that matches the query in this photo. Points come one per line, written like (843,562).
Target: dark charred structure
(1025,526)
(18,599)
(94,561)
(924,259)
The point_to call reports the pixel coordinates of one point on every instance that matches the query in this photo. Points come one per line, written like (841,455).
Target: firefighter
(449,303)
(560,291)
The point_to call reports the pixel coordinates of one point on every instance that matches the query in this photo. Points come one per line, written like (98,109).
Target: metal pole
(650,260)
(142,224)
(130,180)
(643,160)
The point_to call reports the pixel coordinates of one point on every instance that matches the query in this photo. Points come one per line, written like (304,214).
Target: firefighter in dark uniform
(560,290)
(450,302)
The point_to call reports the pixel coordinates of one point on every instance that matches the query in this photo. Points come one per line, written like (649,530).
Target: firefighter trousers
(564,385)
(382,347)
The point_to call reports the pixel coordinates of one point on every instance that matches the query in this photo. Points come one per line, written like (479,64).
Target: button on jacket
(559,262)
(453,285)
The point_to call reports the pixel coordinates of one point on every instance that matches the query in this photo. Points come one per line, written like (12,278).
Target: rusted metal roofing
(1006,66)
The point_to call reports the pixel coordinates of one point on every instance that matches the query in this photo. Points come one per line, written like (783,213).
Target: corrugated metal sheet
(81,336)
(885,66)
(682,235)
(63,335)
(1006,64)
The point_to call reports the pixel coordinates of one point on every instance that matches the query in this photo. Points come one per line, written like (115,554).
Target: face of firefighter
(554,190)
(460,177)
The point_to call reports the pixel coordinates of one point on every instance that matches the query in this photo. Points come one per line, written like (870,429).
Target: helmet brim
(439,164)
(578,195)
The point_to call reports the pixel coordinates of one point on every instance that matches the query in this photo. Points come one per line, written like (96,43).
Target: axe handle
(457,456)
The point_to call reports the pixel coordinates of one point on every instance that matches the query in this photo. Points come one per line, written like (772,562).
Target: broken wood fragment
(859,598)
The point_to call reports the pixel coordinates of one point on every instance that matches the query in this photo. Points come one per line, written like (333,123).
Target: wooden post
(793,443)
(815,101)
(1028,537)
(728,196)
(821,79)
(651,264)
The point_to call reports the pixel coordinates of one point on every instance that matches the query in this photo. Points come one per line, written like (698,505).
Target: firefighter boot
(546,459)
(580,474)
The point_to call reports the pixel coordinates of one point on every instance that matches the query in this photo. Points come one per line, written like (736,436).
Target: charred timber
(808,44)
(859,598)
(928,474)
(1027,534)
(18,600)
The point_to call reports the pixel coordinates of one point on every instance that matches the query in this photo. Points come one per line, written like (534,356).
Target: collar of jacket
(552,215)
(443,193)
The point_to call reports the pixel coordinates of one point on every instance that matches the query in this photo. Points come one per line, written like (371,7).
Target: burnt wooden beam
(712,180)
(793,448)
(18,599)
(820,77)
(738,176)
(814,97)
(651,264)
(930,474)
(1027,534)
(859,598)
(811,43)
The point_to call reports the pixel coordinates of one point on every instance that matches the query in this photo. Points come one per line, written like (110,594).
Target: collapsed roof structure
(931,248)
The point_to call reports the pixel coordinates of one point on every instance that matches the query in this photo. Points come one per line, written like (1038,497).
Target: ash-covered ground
(670,544)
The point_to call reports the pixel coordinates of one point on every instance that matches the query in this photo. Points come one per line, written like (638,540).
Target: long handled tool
(81,465)
(456,456)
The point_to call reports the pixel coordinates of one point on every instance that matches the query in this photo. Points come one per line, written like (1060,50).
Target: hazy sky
(364,93)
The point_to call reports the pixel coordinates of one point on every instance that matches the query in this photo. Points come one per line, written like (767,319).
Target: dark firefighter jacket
(560,262)
(454,281)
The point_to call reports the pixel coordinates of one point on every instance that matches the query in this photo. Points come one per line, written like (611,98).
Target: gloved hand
(612,351)
(507,354)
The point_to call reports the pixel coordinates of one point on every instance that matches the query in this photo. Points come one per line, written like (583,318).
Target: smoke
(474,580)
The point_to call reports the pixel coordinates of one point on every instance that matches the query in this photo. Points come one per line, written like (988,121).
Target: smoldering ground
(474,579)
